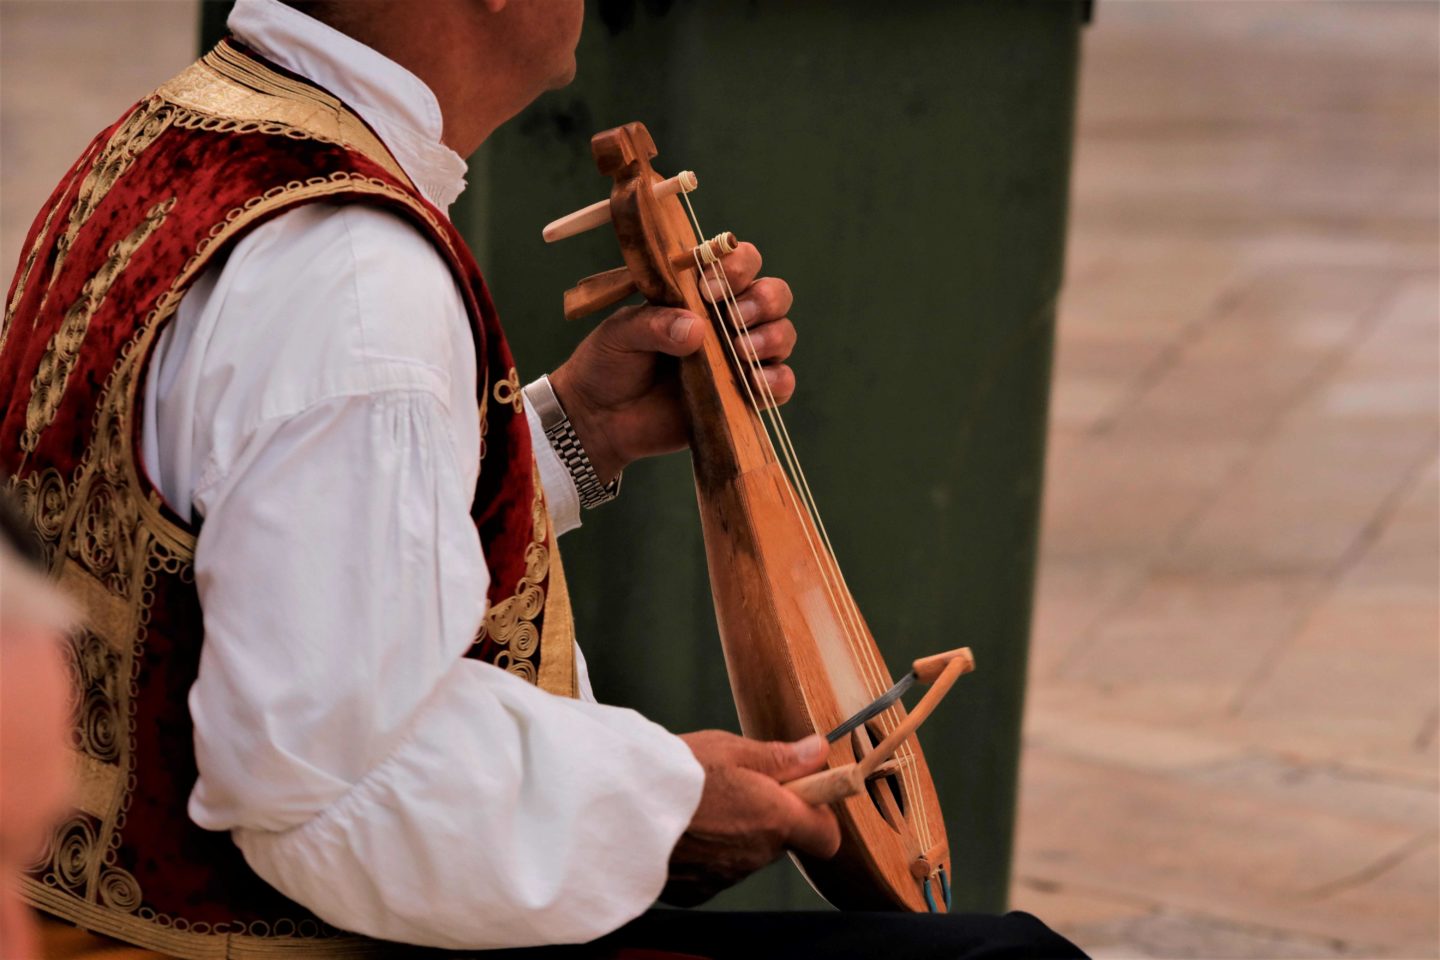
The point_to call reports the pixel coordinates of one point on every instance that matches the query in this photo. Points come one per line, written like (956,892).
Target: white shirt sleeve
(314,405)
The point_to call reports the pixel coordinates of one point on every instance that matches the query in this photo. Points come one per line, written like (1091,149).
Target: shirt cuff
(560,493)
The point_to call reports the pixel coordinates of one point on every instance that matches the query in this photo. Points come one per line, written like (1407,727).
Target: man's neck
(454,48)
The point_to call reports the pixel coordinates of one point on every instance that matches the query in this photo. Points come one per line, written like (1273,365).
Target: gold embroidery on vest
(139,130)
(136,133)
(71,180)
(107,542)
(22,279)
(48,387)
(484,424)
(511,622)
(508,391)
(226,92)
(557,665)
(98,549)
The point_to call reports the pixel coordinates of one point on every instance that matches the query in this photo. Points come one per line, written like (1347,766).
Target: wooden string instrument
(800,656)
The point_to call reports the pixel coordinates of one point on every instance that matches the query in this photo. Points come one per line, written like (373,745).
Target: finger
(813,830)
(769,298)
(783,760)
(741,268)
(779,383)
(769,342)
(649,329)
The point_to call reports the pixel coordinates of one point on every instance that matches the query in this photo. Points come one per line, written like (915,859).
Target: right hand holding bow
(746,817)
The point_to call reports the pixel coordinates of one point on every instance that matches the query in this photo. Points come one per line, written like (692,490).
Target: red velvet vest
(155,200)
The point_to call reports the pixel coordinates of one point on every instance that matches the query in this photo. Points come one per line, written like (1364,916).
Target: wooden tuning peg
(601,290)
(598,292)
(704,254)
(598,214)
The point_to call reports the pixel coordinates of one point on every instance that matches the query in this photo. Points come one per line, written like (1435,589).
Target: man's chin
(564,78)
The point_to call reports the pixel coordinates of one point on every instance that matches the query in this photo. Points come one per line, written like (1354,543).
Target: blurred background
(1230,719)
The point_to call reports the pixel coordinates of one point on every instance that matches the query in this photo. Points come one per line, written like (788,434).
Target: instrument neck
(727,435)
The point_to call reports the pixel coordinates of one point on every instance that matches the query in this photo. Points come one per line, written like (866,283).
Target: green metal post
(212,21)
(905,166)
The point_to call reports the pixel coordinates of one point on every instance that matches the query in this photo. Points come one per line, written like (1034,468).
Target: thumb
(785,761)
(648,329)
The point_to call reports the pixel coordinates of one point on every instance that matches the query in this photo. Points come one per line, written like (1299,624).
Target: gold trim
(95,784)
(190,945)
(124,377)
(47,390)
(484,422)
(135,135)
(510,623)
(237,219)
(107,616)
(557,662)
(227,91)
(508,391)
(103,533)
(141,128)
(22,279)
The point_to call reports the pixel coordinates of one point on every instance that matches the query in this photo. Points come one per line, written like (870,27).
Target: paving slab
(1118,496)
(1217,850)
(1231,733)
(1071,596)
(1174,933)
(1184,646)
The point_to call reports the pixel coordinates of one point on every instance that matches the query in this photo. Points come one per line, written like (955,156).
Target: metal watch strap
(566,444)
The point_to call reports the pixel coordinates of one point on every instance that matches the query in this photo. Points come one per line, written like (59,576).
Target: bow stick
(940,672)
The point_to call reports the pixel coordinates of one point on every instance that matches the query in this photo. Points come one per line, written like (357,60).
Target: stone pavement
(1230,744)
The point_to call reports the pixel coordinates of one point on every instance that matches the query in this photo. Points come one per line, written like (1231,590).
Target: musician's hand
(621,389)
(746,818)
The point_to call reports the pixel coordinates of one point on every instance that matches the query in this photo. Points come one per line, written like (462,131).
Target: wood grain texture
(798,662)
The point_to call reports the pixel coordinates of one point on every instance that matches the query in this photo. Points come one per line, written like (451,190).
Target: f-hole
(886,793)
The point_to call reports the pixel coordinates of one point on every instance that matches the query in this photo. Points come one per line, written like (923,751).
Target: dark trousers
(825,936)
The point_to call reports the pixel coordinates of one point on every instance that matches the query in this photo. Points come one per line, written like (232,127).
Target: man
(247,348)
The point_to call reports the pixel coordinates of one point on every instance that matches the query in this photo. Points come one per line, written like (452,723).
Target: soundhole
(887,793)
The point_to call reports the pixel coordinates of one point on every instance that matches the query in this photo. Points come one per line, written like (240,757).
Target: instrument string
(909,771)
(750,369)
(850,618)
(830,587)
(840,596)
(849,611)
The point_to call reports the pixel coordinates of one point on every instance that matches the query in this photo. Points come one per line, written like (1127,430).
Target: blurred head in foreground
(34,722)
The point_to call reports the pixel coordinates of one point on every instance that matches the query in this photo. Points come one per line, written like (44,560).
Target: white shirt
(314,403)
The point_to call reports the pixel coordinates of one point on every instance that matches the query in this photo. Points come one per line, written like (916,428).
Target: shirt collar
(396,104)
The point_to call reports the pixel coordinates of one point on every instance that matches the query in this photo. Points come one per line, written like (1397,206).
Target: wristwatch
(566,443)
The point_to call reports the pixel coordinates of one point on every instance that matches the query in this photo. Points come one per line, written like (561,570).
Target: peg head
(618,149)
